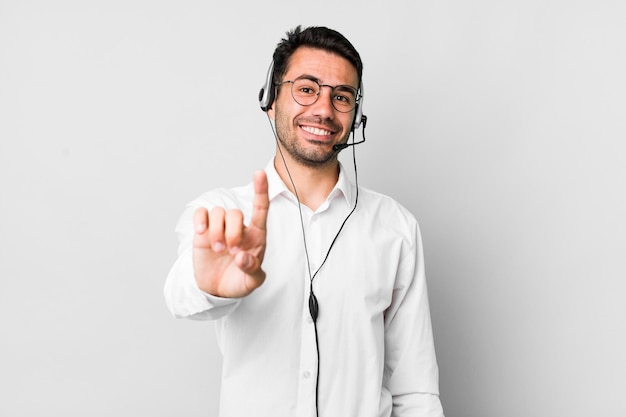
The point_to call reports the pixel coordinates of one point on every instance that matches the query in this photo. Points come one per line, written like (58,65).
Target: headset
(267,93)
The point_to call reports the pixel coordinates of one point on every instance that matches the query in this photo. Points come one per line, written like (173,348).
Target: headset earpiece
(266,95)
(358,112)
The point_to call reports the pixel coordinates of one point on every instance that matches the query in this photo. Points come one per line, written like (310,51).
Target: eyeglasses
(305,91)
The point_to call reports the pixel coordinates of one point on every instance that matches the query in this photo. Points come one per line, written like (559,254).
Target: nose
(323,106)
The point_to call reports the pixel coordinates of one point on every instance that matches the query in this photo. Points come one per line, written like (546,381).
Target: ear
(270,112)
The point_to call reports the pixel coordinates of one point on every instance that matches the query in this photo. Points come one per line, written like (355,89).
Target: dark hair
(314,37)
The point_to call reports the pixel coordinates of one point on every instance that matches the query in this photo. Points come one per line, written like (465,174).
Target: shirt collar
(276,186)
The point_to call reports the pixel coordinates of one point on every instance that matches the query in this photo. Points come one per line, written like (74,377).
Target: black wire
(313,304)
(317,376)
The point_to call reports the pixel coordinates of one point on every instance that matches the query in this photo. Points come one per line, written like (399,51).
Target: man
(316,285)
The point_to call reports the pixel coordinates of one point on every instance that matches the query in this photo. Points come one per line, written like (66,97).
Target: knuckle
(234,225)
(217,212)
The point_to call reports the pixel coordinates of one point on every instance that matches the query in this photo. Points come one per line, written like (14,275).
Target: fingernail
(218,246)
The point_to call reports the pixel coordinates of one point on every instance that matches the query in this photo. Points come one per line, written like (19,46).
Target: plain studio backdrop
(499,124)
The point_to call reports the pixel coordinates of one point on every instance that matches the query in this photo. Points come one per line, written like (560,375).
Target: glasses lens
(344,98)
(306,92)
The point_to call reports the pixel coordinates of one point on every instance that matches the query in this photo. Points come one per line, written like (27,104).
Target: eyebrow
(309,77)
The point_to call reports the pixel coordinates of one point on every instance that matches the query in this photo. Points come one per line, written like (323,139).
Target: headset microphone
(341,146)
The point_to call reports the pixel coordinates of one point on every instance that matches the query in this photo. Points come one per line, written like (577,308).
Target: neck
(313,184)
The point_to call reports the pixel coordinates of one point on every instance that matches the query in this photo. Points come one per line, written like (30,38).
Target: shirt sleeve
(411,371)
(417,405)
(183,297)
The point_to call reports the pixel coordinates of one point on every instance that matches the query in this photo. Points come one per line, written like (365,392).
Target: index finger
(261,202)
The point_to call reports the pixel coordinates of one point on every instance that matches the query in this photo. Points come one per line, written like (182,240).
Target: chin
(317,160)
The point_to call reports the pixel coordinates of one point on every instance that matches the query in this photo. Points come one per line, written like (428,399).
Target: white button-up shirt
(377,357)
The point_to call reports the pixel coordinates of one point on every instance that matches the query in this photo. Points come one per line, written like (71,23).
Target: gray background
(500,124)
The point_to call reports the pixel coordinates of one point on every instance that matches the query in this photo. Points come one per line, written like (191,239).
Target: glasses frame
(357,95)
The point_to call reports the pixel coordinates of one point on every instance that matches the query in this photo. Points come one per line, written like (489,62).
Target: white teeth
(316,131)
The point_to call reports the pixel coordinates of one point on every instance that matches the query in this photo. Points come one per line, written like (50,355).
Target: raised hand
(227,255)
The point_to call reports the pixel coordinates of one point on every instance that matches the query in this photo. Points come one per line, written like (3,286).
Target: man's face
(308,133)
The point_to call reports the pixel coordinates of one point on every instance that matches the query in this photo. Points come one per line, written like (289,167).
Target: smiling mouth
(316,131)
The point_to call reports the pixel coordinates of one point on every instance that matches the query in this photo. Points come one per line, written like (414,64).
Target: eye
(344,96)
(343,99)
(305,87)
(306,90)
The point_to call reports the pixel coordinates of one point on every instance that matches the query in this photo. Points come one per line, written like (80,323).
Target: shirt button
(307,374)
